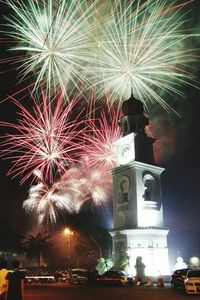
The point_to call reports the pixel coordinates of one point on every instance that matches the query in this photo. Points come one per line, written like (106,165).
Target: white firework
(47,202)
(54,37)
(114,46)
(141,48)
(87,185)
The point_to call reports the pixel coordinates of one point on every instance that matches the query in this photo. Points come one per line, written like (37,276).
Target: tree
(124,262)
(104,264)
(37,246)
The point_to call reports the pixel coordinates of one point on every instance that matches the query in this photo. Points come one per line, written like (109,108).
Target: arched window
(124,189)
(150,188)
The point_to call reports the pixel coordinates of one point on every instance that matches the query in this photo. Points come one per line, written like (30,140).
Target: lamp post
(68,233)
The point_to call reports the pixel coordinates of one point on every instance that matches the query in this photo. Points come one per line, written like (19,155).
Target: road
(83,292)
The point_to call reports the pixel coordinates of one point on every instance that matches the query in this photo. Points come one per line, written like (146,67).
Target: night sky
(178,151)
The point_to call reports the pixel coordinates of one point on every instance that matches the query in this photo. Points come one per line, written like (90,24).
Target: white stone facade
(138,212)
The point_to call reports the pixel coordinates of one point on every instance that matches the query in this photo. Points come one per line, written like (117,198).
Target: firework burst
(115,46)
(141,47)
(77,187)
(87,185)
(46,202)
(100,135)
(53,35)
(46,139)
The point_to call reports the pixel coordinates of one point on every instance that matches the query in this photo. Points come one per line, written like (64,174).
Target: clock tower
(138,229)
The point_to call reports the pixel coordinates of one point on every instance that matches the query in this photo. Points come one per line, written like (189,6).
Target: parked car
(192,282)
(78,276)
(60,277)
(120,278)
(178,277)
(40,279)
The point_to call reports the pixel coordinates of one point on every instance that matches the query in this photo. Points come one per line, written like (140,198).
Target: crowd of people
(11,281)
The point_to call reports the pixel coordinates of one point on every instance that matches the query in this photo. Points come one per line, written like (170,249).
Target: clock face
(125,149)
(126,153)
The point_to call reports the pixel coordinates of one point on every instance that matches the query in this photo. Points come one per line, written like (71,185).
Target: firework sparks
(116,46)
(141,47)
(46,202)
(53,35)
(90,181)
(77,187)
(45,139)
(100,137)
(85,184)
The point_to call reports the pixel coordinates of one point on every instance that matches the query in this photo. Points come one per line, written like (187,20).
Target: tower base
(146,249)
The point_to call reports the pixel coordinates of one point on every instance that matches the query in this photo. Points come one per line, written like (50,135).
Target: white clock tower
(138,229)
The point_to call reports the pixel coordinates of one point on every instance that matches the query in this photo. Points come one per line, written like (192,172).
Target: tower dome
(132,106)
(134,119)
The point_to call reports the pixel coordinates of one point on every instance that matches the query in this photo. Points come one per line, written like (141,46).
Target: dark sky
(178,151)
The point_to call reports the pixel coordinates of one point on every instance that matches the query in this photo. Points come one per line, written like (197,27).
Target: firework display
(45,139)
(116,46)
(70,50)
(141,48)
(53,36)
(86,184)
(99,138)
(46,203)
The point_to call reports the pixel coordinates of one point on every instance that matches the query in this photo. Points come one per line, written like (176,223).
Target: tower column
(137,198)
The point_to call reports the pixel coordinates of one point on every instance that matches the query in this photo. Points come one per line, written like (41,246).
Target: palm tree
(36,246)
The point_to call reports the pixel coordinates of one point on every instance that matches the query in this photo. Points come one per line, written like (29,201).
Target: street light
(68,232)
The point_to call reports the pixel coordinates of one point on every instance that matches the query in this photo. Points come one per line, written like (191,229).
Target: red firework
(45,138)
(99,140)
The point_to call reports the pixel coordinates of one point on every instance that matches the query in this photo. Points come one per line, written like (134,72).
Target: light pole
(68,233)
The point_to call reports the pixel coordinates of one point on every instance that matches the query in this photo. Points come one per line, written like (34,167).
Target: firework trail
(87,185)
(77,187)
(46,202)
(47,139)
(90,181)
(113,46)
(141,47)
(52,38)
(68,45)
(99,138)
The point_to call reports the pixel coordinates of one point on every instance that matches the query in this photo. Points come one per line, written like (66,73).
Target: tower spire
(132,92)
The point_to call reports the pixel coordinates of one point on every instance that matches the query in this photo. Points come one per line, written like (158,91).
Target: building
(138,228)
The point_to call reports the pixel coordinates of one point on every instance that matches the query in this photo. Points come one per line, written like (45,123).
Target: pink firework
(100,137)
(87,185)
(46,138)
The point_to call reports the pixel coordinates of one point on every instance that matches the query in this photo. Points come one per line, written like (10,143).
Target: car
(178,277)
(40,279)
(60,277)
(78,276)
(192,282)
(115,277)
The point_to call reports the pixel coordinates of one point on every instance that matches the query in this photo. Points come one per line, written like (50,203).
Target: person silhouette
(15,282)
(3,273)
